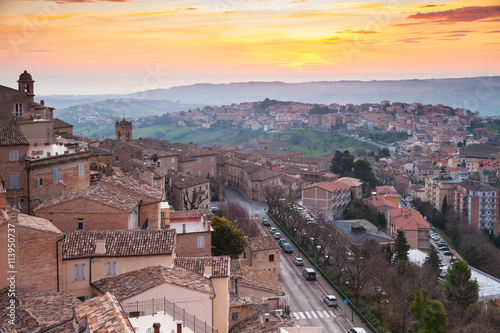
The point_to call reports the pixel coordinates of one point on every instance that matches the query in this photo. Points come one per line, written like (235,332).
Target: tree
(363,170)
(193,201)
(401,246)
(430,314)
(346,165)
(356,210)
(227,239)
(432,260)
(444,206)
(460,290)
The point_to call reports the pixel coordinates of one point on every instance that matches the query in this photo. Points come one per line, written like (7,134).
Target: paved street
(305,297)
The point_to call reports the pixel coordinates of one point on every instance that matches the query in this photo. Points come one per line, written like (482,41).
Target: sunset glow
(96,46)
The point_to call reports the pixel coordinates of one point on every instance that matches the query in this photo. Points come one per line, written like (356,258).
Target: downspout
(57,259)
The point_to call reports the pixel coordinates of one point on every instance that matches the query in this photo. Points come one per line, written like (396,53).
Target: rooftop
(359,231)
(407,219)
(29,221)
(134,186)
(350,181)
(331,186)
(260,278)
(217,266)
(182,180)
(263,243)
(12,136)
(477,186)
(55,148)
(133,283)
(104,314)
(118,243)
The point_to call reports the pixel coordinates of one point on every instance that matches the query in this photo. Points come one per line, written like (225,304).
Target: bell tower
(123,131)
(26,85)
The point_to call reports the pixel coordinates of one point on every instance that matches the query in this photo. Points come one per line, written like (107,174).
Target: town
(138,234)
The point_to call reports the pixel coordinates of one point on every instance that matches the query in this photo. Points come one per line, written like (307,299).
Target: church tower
(123,130)
(26,85)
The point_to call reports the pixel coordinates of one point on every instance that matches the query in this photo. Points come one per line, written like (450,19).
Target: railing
(153,306)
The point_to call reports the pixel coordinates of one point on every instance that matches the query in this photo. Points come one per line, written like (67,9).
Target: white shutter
(14,182)
(57,174)
(81,169)
(201,242)
(14,155)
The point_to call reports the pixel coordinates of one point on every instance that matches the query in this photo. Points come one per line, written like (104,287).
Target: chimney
(100,244)
(3,198)
(42,102)
(179,326)
(184,228)
(156,327)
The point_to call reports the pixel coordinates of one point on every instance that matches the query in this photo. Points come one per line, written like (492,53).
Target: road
(305,297)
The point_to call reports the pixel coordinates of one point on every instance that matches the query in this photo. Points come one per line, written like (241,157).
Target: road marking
(296,315)
(308,315)
(320,314)
(314,314)
(331,313)
(302,315)
(326,314)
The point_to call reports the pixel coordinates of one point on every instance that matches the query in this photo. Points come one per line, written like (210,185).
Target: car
(309,274)
(444,248)
(266,222)
(330,300)
(287,248)
(272,230)
(357,330)
(277,235)
(448,253)
(441,244)
(281,242)
(298,261)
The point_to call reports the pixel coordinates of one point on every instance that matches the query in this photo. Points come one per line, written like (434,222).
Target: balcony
(41,149)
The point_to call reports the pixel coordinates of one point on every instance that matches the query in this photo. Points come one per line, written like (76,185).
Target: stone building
(123,130)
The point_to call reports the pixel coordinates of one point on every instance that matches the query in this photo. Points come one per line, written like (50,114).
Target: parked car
(441,244)
(272,230)
(266,222)
(444,248)
(309,274)
(448,253)
(298,261)
(287,248)
(330,300)
(277,235)
(357,330)
(281,242)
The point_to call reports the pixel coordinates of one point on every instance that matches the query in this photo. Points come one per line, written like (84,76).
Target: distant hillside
(480,94)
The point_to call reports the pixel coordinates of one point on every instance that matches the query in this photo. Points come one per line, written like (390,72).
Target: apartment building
(356,186)
(415,227)
(327,199)
(187,192)
(439,187)
(479,203)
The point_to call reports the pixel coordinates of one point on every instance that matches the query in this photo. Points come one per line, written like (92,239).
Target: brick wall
(152,213)
(95,216)
(187,244)
(261,260)
(8,168)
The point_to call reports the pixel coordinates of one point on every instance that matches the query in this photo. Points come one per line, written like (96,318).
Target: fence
(318,269)
(153,306)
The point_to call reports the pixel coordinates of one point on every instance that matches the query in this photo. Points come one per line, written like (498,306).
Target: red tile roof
(407,219)
(12,136)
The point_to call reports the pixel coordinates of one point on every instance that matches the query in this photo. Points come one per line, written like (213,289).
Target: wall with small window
(197,244)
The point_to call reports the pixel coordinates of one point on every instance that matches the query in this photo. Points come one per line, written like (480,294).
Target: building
(88,256)
(439,187)
(327,199)
(479,203)
(262,253)
(187,192)
(415,227)
(123,131)
(194,233)
(356,232)
(356,186)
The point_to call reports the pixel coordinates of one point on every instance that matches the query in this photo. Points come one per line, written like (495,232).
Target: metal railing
(154,306)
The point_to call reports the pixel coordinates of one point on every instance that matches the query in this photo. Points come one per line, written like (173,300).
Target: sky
(124,46)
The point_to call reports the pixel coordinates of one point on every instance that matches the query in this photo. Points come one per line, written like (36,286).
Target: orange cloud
(357,32)
(465,14)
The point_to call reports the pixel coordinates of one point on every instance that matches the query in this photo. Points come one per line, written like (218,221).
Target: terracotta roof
(118,243)
(133,283)
(104,314)
(262,174)
(219,265)
(386,190)
(477,186)
(378,201)
(105,195)
(263,243)
(235,269)
(58,123)
(12,136)
(29,221)
(331,186)
(350,181)
(37,310)
(183,180)
(407,219)
(134,186)
(260,278)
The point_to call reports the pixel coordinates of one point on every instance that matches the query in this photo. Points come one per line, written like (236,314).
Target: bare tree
(239,215)
(193,201)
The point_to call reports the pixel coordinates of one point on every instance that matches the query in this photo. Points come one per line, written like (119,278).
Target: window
(39,182)
(212,172)
(199,160)
(80,272)
(271,257)
(212,159)
(201,242)
(19,109)
(111,268)
(14,155)
(189,164)
(117,158)
(131,155)
(79,224)
(173,160)
(57,174)
(81,169)
(14,182)
(235,316)
(199,173)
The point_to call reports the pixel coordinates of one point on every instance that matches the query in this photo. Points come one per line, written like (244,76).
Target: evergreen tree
(227,239)
(430,314)
(432,260)
(401,246)
(459,288)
